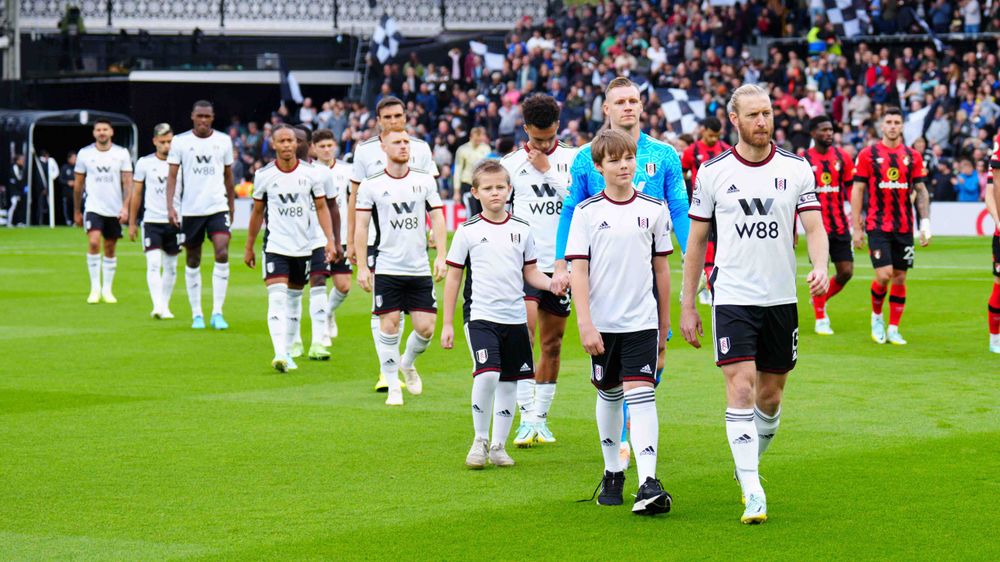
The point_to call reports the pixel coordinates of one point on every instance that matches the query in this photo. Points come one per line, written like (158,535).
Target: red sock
(819,306)
(878,297)
(834,288)
(897,301)
(994,308)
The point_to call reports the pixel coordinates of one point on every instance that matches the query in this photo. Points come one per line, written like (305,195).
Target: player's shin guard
(609,424)
(897,301)
(169,279)
(94,269)
(504,403)
(526,400)
(878,297)
(415,345)
(277,317)
(387,346)
(742,437)
(484,386)
(317,313)
(994,313)
(154,261)
(644,429)
(294,316)
(544,394)
(767,427)
(220,284)
(108,267)
(192,279)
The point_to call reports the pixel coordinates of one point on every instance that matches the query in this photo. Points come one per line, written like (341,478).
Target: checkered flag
(385,40)
(682,108)
(849,17)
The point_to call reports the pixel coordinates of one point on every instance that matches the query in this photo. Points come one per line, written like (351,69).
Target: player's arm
(857,199)
(452,282)
(326,223)
(819,251)
(227,178)
(352,205)
(78,183)
(334,207)
(676,197)
(536,278)
(361,247)
(440,232)
(133,208)
(923,200)
(171,190)
(256,220)
(123,215)
(577,193)
(661,272)
(580,283)
(694,264)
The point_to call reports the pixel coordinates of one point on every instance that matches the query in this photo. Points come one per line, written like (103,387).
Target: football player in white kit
(753,191)
(539,174)
(325,148)
(159,238)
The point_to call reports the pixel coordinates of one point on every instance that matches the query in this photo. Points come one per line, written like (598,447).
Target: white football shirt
(620,240)
(103,183)
(754,206)
(342,182)
(291,208)
(152,172)
(324,175)
(399,208)
(203,163)
(494,254)
(370,159)
(538,198)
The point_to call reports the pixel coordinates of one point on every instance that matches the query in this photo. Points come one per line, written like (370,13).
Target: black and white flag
(386,38)
(683,109)
(849,17)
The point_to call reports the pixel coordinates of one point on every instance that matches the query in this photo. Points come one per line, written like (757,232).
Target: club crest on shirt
(515,237)
(724,345)
(650,168)
(482,355)
(780,184)
(643,222)
(562,168)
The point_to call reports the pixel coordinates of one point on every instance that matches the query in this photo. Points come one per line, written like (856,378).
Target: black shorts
(500,348)
(768,335)
(194,229)
(341,266)
(317,263)
(161,236)
(293,268)
(548,301)
(996,255)
(109,227)
(891,248)
(841,247)
(406,293)
(628,357)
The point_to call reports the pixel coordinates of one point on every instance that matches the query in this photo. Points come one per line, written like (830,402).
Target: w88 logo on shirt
(404,223)
(757,229)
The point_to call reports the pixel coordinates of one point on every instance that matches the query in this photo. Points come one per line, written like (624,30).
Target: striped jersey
(889,175)
(834,172)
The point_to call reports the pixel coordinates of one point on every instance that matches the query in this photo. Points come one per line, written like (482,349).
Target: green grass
(126,438)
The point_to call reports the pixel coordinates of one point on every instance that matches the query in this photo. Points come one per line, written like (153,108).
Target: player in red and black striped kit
(887,174)
(993,205)
(704,149)
(834,171)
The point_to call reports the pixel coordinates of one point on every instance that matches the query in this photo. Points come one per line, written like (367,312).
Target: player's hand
(352,256)
(664,336)
(338,253)
(365,278)
(447,336)
(859,239)
(925,232)
(591,339)
(132,231)
(331,252)
(560,282)
(77,218)
(172,217)
(440,268)
(819,282)
(538,159)
(249,258)
(691,326)
(123,216)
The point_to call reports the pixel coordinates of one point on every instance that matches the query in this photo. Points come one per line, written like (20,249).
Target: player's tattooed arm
(123,215)
(923,199)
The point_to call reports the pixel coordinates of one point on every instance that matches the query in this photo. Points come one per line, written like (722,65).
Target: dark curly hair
(540,111)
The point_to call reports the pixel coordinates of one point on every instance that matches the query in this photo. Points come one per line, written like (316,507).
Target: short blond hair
(619,82)
(745,91)
(488,167)
(610,143)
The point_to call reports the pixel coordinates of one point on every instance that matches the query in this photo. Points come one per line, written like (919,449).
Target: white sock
(504,404)
(742,435)
(644,432)
(294,317)
(609,426)
(484,385)
(277,317)
(317,312)
(192,278)
(415,345)
(94,269)
(169,279)
(526,400)
(767,427)
(336,299)
(544,393)
(108,267)
(388,358)
(154,261)
(220,283)
(374,324)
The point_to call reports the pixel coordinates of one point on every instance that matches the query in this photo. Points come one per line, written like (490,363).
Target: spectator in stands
(967,183)
(971,17)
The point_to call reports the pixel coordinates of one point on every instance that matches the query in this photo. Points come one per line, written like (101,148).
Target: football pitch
(126,438)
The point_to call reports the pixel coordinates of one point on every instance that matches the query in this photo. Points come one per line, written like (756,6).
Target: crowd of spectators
(705,50)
